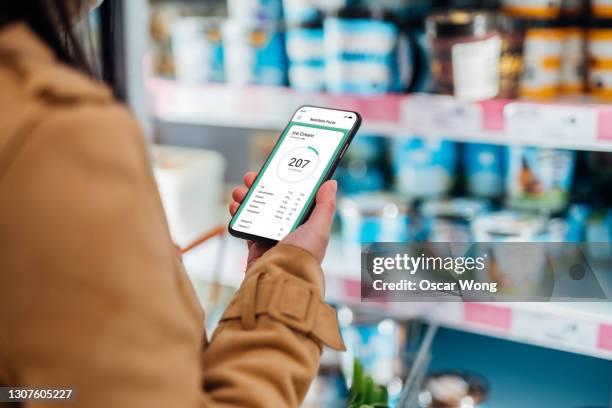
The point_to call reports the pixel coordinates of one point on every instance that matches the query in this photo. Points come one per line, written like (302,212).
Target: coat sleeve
(95,299)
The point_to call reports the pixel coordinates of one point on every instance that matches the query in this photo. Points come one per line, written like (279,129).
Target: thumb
(323,214)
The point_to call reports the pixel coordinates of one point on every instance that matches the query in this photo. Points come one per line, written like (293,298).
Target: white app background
(287,183)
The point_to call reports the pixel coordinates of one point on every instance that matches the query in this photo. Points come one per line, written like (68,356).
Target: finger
(233,207)
(249,178)
(239,193)
(323,214)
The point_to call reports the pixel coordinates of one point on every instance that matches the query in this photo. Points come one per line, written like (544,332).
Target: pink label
(604,340)
(605,123)
(493,114)
(499,317)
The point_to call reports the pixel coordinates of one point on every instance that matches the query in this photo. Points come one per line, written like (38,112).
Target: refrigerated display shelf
(579,125)
(578,327)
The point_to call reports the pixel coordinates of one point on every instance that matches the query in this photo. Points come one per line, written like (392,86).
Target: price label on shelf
(440,115)
(552,123)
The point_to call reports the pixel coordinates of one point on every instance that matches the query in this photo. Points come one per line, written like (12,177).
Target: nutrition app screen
(288,182)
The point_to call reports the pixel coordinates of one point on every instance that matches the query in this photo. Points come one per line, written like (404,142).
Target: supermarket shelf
(573,124)
(584,328)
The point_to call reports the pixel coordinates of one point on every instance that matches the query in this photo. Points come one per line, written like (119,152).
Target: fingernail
(334,185)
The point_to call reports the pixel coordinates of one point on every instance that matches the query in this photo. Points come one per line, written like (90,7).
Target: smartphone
(306,155)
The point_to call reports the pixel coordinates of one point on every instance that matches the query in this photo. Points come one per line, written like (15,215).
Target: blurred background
(484,120)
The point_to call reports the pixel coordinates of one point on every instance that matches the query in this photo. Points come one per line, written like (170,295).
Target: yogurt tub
(306,56)
(197,49)
(484,169)
(367,218)
(254,53)
(423,168)
(450,220)
(541,9)
(599,49)
(360,52)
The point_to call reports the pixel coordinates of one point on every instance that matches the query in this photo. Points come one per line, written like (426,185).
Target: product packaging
(197,49)
(255,10)
(484,169)
(599,45)
(573,65)
(254,53)
(367,218)
(542,53)
(538,178)
(601,8)
(306,56)
(453,389)
(450,220)
(423,168)
(466,51)
(364,167)
(361,52)
(539,9)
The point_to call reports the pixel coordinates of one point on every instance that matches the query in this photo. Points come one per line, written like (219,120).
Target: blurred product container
(601,8)
(539,179)
(360,51)
(573,63)
(600,59)
(450,220)
(466,51)
(364,166)
(255,10)
(299,11)
(542,55)
(541,9)
(306,55)
(511,62)
(197,49)
(483,165)
(192,207)
(254,53)
(423,168)
(372,217)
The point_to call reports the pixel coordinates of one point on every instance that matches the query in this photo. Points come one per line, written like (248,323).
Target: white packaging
(476,69)
(190,183)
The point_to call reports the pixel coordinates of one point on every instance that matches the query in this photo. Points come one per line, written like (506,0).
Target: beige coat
(92,295)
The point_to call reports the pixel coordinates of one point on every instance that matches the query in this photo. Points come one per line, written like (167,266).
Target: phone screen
(283,191)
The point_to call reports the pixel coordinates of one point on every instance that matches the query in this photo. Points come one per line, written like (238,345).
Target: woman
(92,294)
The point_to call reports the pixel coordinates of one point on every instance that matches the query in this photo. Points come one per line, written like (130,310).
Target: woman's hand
(311,236)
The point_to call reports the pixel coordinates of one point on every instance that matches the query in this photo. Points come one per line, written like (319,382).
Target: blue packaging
(306,58)
(424,168)
(539,179)
(484,169)
(198,49)
(363,167)
(371,217)
(254,53)
(360,55)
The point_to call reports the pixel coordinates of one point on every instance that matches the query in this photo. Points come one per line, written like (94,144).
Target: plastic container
(601,8)
(539,179)
(450,220)
(254,53)
(367,218)
(197,49)
(599,46)
(255,10)
(484,169)
(423,168)
(466,50)
(511,63)
(540,9)
(361,52)
(573,64)
(306,56)
(542,54)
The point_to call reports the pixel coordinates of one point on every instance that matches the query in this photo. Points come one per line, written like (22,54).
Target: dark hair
(53,22)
